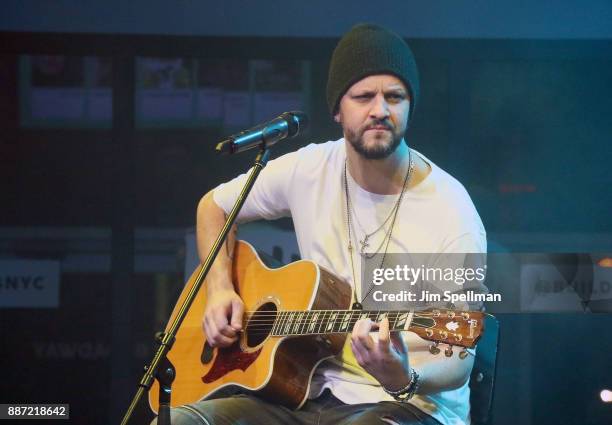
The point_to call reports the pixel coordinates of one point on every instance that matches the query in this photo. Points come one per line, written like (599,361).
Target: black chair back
(482,379)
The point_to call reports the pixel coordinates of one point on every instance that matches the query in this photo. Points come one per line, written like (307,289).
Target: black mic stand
(160,367)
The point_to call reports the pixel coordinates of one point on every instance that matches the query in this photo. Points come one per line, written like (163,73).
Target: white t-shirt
(436,216)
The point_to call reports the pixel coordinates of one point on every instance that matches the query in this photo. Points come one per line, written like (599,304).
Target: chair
(482,379)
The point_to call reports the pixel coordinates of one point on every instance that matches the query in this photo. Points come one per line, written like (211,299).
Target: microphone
(265,135)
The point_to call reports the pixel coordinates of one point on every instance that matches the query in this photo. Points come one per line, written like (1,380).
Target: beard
(381,149)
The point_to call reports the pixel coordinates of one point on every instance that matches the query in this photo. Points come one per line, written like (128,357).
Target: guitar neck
(317,322)
(452,327)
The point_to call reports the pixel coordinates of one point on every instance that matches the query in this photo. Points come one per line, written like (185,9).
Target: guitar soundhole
(260,324)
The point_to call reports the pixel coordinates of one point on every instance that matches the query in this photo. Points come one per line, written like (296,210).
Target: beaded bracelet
(404,394)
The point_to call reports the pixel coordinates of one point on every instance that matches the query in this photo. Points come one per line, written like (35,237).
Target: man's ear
(337,117)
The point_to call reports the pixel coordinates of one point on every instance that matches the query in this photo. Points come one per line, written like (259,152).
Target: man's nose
(380,108)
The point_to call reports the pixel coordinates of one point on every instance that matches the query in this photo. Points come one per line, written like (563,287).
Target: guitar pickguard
(228,359)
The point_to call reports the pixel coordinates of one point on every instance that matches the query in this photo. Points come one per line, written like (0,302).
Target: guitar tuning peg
(463,354)
(433,348)
(449,351)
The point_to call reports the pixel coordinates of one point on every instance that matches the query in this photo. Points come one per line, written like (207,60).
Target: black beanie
(367,50)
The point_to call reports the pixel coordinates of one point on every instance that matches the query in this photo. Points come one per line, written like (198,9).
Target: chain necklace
(357,305)
(364,242)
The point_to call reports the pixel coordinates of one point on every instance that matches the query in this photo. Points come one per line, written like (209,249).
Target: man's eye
(396,96)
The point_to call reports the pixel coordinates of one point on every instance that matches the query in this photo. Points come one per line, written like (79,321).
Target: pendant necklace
(364,242)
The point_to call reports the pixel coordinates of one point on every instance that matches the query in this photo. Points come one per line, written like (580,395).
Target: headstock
(455,328)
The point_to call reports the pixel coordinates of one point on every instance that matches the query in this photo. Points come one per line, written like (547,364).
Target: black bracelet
(404,394)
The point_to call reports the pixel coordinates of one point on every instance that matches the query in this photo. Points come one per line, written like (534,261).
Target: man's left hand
(385,359)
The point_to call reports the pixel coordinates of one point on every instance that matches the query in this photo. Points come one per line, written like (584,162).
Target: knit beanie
(367,50)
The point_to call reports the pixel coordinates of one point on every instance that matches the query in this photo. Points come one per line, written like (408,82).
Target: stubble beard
(375,151)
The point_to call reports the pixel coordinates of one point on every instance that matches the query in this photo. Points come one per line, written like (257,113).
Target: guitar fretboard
(313,322)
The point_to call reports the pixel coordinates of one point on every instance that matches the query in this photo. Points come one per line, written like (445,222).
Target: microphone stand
(160,367)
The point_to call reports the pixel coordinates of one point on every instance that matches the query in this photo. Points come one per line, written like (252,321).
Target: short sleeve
(269,198)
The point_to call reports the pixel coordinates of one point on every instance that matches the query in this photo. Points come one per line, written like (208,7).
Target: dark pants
(250,410)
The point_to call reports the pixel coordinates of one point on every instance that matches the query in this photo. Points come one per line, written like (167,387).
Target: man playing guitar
(367,193)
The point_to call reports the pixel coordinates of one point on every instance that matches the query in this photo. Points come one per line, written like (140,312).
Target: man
(368,193)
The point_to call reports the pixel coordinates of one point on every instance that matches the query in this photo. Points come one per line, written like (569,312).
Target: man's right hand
(222,320)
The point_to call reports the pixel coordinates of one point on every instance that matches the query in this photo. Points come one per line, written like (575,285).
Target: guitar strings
(268,331)
(273,318)
(252,318)
(360,312)
(282,323)
(263,323)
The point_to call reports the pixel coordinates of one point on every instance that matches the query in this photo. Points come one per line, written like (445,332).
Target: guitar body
(278,368)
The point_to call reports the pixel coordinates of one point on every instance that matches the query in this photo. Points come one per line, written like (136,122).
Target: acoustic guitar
(295,317)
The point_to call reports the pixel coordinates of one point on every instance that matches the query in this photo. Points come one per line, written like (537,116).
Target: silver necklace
(364,243)
(357,305)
